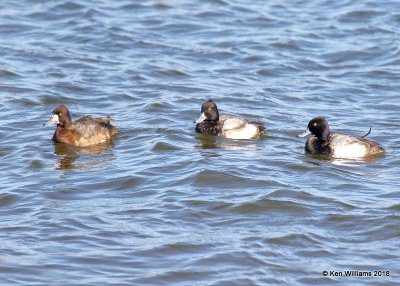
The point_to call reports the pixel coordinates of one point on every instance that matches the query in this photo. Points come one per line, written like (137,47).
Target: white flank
(246,132)
(350,151)
(347,147)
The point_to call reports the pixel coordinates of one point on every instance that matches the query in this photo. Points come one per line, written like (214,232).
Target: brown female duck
(86,131)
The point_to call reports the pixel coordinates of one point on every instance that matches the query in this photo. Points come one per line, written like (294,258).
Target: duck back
(93,130)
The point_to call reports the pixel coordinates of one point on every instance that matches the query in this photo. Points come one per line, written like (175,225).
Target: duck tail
(260,126)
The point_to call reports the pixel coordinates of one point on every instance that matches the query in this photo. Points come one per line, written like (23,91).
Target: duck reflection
(214,142)
(69,155)
(370,160)
(355,163)
(207,141)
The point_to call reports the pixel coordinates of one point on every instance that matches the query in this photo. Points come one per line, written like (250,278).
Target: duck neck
(213,122)
(327,140)
(65,123)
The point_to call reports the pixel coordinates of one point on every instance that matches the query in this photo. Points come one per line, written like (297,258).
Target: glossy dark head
(209,112)
(319,127)
(60,116)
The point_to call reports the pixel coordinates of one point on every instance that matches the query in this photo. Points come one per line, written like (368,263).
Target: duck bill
(53,120)
(305,133)
(201,118)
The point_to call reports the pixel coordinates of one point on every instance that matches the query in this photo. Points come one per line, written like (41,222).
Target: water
(162,205)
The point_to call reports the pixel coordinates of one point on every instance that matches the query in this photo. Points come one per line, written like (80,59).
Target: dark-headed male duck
(228,126)
(86,131)
(337,145)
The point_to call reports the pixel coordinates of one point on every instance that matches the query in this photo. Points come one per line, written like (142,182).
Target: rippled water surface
(162,205)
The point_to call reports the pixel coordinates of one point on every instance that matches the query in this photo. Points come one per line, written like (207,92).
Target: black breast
(208,127)
(315,146)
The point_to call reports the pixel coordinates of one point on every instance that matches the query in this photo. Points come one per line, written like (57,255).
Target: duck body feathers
(86,131)
(228,126)
(232,127)
(343,146)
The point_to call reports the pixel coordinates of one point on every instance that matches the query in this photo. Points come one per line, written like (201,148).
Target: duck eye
(315,124)
(60,114)
(210,108)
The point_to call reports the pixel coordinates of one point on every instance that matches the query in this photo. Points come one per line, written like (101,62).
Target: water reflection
(69,156)
(210,142)
(355,162)
(206,141)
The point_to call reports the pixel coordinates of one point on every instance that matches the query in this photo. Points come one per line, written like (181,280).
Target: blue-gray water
(163,205)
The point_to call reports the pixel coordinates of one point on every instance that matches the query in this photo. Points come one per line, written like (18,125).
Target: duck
(337,145)
(86,131)
(228,126)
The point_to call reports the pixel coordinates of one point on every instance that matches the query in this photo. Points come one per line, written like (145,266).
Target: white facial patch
(54,119)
